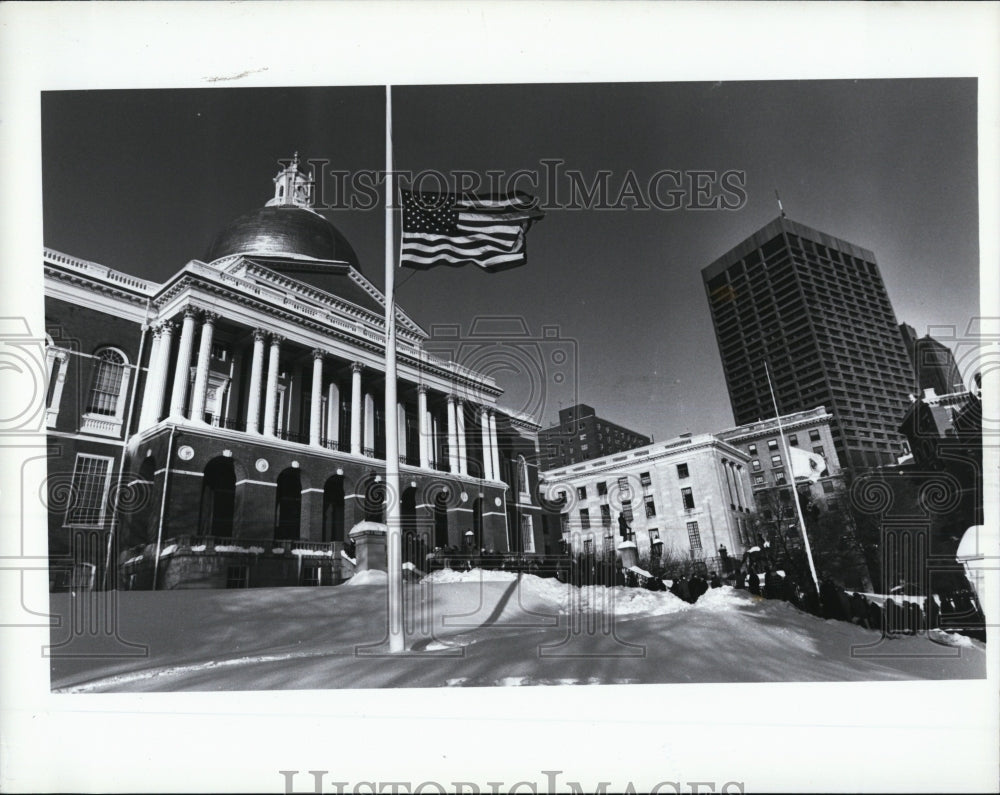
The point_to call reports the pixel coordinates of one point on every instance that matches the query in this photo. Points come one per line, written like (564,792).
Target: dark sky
(143,180)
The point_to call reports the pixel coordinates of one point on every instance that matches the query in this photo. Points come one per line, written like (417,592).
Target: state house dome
(285,226)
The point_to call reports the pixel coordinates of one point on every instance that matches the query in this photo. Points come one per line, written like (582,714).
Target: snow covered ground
(471,629)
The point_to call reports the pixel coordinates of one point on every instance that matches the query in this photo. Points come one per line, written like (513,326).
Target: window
(758,480)
(106,391)
(776,460)
(583,437)
(818,450)
(814,435)
(650,506)
(694,537)
(588,546)
(606,515)
(688,499)
(237,576)
(772,444)
(752,449)
(755,464)
(91,481)
(682,471)
(585,518)
(581,492)
(624,489)
(311,575)
(828,487)
(627,510)
(564,519)
(644,479)
(220,352)
(654,535)
(584,448)
(793,440)
(779,477)
(602,489)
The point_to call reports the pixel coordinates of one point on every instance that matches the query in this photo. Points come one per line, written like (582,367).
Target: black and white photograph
(649,397)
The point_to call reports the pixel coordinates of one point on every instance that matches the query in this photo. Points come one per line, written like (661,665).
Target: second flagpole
(394,552)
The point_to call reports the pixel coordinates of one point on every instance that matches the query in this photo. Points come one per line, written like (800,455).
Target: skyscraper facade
(815,310)
(934,365)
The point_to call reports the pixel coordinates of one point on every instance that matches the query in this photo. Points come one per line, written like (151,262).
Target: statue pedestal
(629,553)
(370,547)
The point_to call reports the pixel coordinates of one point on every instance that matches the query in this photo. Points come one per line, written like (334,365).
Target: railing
(368,451)
(409,460)
(335,444)
(233,424)
(291,436)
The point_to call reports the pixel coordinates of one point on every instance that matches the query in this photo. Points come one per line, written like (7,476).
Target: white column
(356,368)
(484,432)
(463,462)
(729,481)
(369,437)
(453,465)
(201,373)
(271,390)
(178,397)
(163,368)
(494,447)
(423,427)
(256,376)
(316,398)
(152,374)
(333,414)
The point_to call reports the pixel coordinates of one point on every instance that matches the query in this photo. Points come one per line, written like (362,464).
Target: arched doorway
(288,506)
(373,498)
(441,519)
(218,498)
(333,508)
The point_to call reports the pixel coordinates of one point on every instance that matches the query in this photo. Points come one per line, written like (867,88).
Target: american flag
(452,229)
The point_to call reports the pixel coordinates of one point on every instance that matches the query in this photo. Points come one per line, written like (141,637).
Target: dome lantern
(292,187)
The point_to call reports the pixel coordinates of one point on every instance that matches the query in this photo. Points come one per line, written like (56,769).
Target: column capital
(276,339)
(209,317)
(357,367)
(451,399)
(259,335)
(167,327)
(423,388)
(191,311)
(318,353)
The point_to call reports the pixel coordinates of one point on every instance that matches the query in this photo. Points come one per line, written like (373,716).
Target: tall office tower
(934,365)
(815,309)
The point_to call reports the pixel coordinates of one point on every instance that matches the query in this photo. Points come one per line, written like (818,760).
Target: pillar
(484,432)
(152,375)
(369,436)
(271,390)
(453,465)
(178,397)
(423,427)
(401,430)
(256,375)
(494,447)
(356,368)
(463,462)
(316,398)
(201,373)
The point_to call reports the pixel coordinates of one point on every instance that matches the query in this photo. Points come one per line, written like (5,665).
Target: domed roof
(283,230)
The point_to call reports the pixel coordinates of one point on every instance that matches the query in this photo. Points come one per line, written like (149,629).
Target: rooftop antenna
(782,209)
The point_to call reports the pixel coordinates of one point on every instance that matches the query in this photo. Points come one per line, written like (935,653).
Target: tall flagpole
(791,470)
(393,532)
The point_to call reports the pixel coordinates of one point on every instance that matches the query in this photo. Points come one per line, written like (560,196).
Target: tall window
(581,492)
(585,518)
(694,536)
(793,440)
(91,481)
(752,449)
(602,489)
(522,475)
(644,479)
(772,444)
(682,471)
(527,534)
(814,435)
(627,510)
(776,460)
(650,506)
(107,388)
(688,498)
(606,515)
(623,487)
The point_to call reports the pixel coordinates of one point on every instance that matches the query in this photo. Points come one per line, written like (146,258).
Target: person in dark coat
(773,585)
(754,584)
(859,610)
(829,597)
(715,582)
(876,617)
(892,619)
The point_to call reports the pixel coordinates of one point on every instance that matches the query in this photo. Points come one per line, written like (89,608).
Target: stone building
(227,426)
(682,498)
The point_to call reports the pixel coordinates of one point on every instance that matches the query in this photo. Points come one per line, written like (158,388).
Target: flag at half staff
(806,465)
(452,229)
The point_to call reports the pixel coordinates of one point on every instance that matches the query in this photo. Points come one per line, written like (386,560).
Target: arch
(372,494)
(477,522)
(441,519)
(523,484)
(218,498)
(109,384)
(288,506)
(333,508)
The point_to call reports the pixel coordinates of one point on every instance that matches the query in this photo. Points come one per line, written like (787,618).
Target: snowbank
(476,575)
(369,577)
